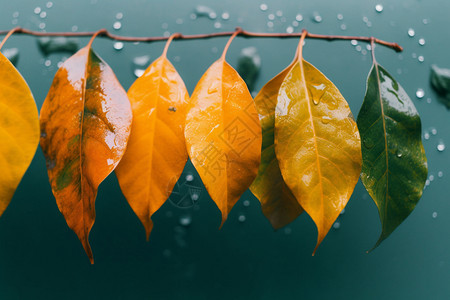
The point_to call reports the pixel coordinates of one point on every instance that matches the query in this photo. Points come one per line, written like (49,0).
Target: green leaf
(440,81)
(394,164)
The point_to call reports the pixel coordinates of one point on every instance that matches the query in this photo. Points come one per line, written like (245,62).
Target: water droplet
(342,212)
(117,25)
(440,146)
(217,25)
(246,203)
(440,174)
(325,119)
(421,58)
(270,24)
(225,15)
(411,32)
(138,72)
(290,29)
(420,93)
(317,17)
(316,101)
(354,42)
(340,17)
(59,64)
(428,100)
(118,46)
(378,8)
(431,177)
(179,21)
(263,7)
(365,19)
(164,25)
(12,54)
(185,220)
(427,182)
(48,63)
(37,10)
(421,41)
(279,13)
(74,28)
(43,15)
(15,14)
(399,154)
(299,18)
(358,48)
(434,215)
(368,143)
(119,16)
(271,17)
(42,25)
(189,177)
(336,225)
(433,131)
(195,196)
(166,34)
(426,135)
(49,4)
(241,218)
(425,21)
(343,27)
(205,11)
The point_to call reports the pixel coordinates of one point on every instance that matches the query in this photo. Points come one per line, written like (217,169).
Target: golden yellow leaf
(19,130)
(223,134)
(317,144)
(85,125)
(278,203)
(156,151)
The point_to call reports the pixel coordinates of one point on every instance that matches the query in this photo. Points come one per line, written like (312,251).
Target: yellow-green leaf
(85,125)
(223,135)
(156,152)
(19,130)
(277,201)
(317,144)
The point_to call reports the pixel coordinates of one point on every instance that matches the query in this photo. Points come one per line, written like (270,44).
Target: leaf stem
(299,53)
(173,36)
(372,49)
(8,35)
(98,33)
(243,33)
(225,50)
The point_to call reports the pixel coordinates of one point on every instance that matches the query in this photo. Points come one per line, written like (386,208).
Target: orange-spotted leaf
(85,125)
(278,203)
(317,144)
(19,129)
(223,134)
(156,151)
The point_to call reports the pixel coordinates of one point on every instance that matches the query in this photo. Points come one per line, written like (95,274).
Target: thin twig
(243,33)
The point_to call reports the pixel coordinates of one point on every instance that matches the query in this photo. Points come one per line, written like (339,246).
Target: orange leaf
(85,124)
(156,152)
(278,203)
(223,134)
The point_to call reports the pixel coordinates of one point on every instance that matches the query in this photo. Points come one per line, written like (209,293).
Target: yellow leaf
(156,151)
(19,130)
(85,125)
(278,203)
(317,144)
(223,135)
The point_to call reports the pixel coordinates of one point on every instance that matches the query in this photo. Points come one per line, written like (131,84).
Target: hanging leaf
(223,134)
(394,164)
(156,152)
(85,124)
(440,81)
(317,143)
(277,202)
(19,129)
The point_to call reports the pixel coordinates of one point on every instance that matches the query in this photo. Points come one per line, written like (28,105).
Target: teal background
(41,258)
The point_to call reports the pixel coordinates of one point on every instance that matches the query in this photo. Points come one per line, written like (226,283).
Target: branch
(243,33)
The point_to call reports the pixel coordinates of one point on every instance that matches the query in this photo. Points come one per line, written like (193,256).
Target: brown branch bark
(248,34)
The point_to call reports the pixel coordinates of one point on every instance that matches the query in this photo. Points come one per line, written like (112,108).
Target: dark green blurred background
(187,256)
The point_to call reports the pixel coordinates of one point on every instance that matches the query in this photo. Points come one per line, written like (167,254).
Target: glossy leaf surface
(223,135)
(317,144)
(156,152)
(394,163)
(85,125)
(19,130)
(277,201)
